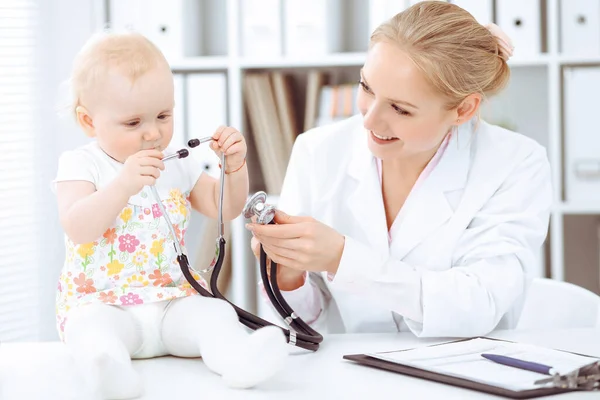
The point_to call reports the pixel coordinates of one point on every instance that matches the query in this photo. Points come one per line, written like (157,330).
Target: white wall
(64,27)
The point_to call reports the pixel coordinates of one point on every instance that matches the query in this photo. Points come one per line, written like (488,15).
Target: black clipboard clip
(584,378)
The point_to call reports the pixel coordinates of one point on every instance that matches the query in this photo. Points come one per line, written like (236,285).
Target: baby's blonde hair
(130,53)
(457,55)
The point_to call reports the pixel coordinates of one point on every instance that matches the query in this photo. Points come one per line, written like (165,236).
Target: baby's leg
(209,327)
(102,338)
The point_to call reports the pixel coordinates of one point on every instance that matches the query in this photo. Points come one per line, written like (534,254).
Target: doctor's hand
(230,141)
(300,243)
(287,278)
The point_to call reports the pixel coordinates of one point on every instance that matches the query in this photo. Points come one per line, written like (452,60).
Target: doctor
(416,214)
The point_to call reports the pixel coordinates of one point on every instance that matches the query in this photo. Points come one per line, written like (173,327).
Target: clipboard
(585,379)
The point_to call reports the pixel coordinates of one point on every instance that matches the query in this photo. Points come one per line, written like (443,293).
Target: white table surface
(44,371)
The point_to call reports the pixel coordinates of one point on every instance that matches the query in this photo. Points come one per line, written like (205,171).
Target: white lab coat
(462,253)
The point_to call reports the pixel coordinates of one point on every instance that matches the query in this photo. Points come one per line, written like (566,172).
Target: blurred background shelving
(274,68)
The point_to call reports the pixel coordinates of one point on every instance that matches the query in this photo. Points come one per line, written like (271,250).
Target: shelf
(351,59)
(202,63)
(579,59)
(211,63)
(581,208)
(539,61)
(331,60)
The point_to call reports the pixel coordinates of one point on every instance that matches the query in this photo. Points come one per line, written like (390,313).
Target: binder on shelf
(581,141)
(127,15)
(312,27)
(460,363)
(260,28)
(315,81)
(580,27)
(521,21)
(382,10)
(206,110)
(180,138)
(481,10)
(172,26)
(283,91)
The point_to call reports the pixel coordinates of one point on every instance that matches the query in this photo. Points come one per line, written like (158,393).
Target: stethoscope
(299,334)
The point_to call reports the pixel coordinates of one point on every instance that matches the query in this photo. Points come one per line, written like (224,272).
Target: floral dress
(134,261)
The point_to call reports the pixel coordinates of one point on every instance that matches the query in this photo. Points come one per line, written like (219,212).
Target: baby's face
(128,118)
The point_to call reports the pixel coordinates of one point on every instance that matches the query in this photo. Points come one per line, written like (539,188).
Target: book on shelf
(336,102)
(268,100)
(275,122)
(315,81)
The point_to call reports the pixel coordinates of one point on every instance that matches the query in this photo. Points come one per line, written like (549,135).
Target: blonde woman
(416,214)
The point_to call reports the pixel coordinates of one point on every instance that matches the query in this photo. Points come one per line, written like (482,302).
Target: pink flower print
(128,243)
(156,213)
(131,299)
(147,211)
(141,217)
(183,237)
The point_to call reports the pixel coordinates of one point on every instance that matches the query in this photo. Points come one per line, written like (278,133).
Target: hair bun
(505,46)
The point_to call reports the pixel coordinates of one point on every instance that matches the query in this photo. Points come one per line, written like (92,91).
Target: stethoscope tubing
(300,333)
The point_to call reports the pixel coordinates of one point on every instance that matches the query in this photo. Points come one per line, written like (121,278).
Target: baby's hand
(230,141)
(141,169)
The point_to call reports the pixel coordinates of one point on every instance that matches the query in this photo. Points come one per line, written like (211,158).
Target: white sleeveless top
(134,261)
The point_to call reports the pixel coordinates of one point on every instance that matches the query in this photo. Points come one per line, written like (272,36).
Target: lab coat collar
(426,207)
(366,201)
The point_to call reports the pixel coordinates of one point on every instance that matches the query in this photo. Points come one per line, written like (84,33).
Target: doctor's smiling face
(427,70)
(402,112)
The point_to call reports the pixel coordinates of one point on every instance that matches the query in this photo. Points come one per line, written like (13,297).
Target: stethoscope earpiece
(197,142)
(256,206)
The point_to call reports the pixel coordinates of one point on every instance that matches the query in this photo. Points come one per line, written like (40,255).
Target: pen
(516,363)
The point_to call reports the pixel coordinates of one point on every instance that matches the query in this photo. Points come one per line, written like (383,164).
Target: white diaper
(148,319)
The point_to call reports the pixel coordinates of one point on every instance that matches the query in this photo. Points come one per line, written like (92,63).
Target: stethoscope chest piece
(256,206)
